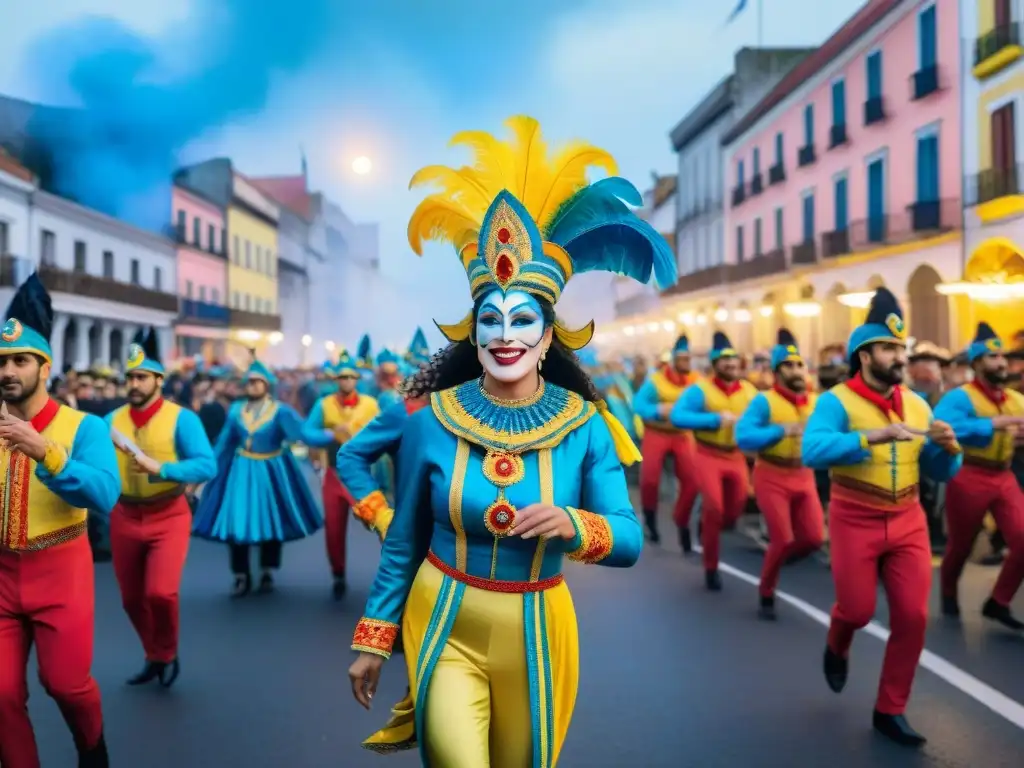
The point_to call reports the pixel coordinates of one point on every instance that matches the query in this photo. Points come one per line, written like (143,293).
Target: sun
(362,165)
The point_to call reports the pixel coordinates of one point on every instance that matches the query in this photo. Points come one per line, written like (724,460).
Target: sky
(392,80)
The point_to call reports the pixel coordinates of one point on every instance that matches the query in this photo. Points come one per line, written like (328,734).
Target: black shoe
(897,728)
(651,521)
(837,669)
(766,610)
(950,607)
(96,757)
(243,585)
(169,673)
(266,585)
(339,588)
(713,581)
(686,540)
(150,672)
(1001,613)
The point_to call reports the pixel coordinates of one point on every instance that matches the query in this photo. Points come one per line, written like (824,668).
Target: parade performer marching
(874,434)
(988,419)
(653,404)
(163,448)
(334,420)
(508,470)
(364,364)
(260,496)
(419,350)
(785,489)
(711,408)
(58,463)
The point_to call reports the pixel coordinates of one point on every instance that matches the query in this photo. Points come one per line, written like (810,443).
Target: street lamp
(275,338)
(329,346)
(307,340)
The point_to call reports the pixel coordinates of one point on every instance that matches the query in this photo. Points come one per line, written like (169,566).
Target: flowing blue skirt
(256,500)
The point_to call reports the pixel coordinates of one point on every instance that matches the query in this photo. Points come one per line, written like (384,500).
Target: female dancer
(507,470)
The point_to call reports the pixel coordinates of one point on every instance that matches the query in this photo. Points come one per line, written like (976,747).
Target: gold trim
(997,62)
(455,502)
(521,402)
(1000,208)
(545,467)
(252,423)
(515,465)
(259,456)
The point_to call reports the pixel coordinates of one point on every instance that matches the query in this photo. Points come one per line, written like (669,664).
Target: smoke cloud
(139,101)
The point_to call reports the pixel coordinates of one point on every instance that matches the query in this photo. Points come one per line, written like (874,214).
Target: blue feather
(364,351)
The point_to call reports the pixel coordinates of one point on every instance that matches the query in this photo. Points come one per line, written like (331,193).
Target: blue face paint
(509,318)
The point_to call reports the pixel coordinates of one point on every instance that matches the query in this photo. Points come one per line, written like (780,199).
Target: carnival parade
(548,468)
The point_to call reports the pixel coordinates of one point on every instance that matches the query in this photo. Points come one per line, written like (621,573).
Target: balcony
(757,184)
(760,266)
(994,183)
(739,194)
(803,254)
(924,82)
(806,156)
(776,174)
(698,281)
(837,136)
(178,235)
(200,313)
(835,243)
(916,222)
(874,110)
(996,50)
(243,318)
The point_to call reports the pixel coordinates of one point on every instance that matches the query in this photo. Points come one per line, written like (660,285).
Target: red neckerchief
(997,396)
(675,378)
(885,404)
(730,388)
(797,399)
(46,414)
(141,417)
(348,401)
(414,404)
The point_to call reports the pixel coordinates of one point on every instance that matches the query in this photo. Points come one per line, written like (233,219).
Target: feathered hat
(387,357)
(257,370)
(721,347)
(522,220)
(419,349)
(29,321)
(986,342)
(682,346)
(884,323)
(144,353)
(346,365)
(364,352)
(785,350)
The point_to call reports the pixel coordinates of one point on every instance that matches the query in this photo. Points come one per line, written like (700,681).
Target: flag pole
(760,23)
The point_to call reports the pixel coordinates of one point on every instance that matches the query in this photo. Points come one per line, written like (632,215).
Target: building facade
(992,288)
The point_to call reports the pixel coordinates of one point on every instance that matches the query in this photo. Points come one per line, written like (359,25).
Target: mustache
(8,380)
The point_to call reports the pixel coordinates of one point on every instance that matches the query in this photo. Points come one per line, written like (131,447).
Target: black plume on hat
(985,332)
(883,304)
(32,306)
(720,341)
(785,338)
(151,346)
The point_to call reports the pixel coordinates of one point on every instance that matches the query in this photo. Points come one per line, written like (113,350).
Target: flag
(741,6)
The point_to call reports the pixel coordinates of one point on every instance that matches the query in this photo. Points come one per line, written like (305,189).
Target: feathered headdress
(721,347)
(785,349)
(258,370)
(521,219)
(884,323)
(682,346)
(364,352)
(29,321)
(144,352)
(986,341)
(419,349)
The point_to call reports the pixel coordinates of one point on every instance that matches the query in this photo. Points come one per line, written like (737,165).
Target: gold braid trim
(375,636)
(595,536)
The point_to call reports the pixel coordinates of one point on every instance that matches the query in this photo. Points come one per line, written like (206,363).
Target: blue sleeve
(195,462)
(314,434)
(938,463)
(90,478)
(827,440)
(956,409)
(357,456)
(227,440)
(289,422)
(755,431)
(689,412)
(645,402)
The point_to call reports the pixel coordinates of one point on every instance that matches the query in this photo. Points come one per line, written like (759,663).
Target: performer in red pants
(653,404)
(163,448)
(334,420)
(59,463)
(875,435)
(988,418)
(711,408)
(784,488)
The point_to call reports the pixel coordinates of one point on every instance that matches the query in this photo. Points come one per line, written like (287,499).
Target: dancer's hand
(665,410)
(894,433)
(145,464)
(728,418)
(942,435)
(793,429)
(544,520)
(21,436)
(365,674)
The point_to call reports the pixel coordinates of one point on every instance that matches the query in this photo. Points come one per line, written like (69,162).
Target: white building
(106,278)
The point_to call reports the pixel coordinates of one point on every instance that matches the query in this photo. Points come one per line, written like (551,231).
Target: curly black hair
(458,363)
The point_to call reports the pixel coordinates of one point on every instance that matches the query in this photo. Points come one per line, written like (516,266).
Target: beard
(16,391)
(891,376)
(998,377)
(796,384)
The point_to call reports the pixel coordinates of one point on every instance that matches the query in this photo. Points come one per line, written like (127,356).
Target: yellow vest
(891,474)
(786,452)
(716,401)
(354,418)
(33,517)
(667,393)
(156,440)
(999,453)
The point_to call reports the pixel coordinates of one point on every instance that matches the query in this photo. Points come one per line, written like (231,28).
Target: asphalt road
(672,676)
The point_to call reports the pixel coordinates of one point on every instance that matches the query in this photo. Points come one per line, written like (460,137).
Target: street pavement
(672,676)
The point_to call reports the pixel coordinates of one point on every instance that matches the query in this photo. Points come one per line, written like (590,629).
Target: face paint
(509,335)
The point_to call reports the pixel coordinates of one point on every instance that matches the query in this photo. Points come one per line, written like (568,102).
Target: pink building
(202,274)
(847,175)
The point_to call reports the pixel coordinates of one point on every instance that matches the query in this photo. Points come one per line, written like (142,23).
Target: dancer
(987,417)
(59,463)
(495,475)
(419,350)
(260,495)
(162,449)
(711,408)
(367,384)
(874,434)
(333,421)
(785,489)
(653,403)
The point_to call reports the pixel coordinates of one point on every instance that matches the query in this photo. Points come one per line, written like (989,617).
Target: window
(779,154)
(927,45)
(1003,128)
(259,258)
(234,251)
(248,302)
(211,241)
(757,237)
(188,289)
(842,205)
(876,200)
(928,167)
(780,239)
(47,247)
(874,75)
(808,211)
(202,293)
(4,238)
(182,223)
(740,255)
(839,102)
(214,296)
(80,261)
(739,173)
(108,265)
(158,279)
(809,125)
(135,272)
(234,299)
(224,241)
(1004,14)
(757,161)
(196,232)
(248,255)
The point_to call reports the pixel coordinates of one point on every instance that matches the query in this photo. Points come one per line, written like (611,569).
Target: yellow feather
(437,218)
(569,175)
(463,185)
(494,161)
(531,156)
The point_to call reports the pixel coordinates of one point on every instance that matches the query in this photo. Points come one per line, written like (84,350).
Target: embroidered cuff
(55,458)
(375,636)
(864,444)
(594,534)
(373,510)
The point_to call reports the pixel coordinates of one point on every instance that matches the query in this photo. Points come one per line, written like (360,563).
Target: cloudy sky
(394,79)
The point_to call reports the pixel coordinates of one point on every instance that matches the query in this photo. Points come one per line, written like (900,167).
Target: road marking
(1007,708)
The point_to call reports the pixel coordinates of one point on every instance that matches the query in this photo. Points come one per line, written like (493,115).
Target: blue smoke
(142,101)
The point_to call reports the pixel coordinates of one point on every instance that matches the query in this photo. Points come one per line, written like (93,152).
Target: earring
(543,354)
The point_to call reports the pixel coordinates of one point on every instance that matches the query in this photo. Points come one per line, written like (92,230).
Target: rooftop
(9,165)
(289,191)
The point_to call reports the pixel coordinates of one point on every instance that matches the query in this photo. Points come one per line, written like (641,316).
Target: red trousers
(973,492)
(867,542)
(723,481)
(336,508)
(47,598)
(656,446)
(788,499)
(149,544)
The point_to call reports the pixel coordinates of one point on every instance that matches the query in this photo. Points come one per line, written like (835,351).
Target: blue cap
(419,349)
(785,350)
(29,321)
(386,357)
(346,365)
(986,342)
(258,370)
(721,347)
(883,324)
(144,353)
(682,346)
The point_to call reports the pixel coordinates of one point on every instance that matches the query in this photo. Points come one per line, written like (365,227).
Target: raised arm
(88,476)
(690,411)
(827,440)
(195,463)
(314,433)
(956,409)
(755,431)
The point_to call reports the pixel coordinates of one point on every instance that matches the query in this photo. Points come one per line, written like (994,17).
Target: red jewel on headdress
(504,269)
(504,235)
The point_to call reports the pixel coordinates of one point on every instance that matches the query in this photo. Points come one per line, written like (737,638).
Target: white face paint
(509,335)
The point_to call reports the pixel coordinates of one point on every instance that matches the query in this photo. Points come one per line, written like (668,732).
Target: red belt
(493,585)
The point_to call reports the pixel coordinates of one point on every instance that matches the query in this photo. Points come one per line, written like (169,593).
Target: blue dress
(260,492)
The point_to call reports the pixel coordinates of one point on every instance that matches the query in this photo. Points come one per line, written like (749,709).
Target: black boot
(1001,613)
(242,587)
(651,521)
(897,728)
(339,588)
(766,610)
(266,585)
(150,672)
(837,669)
(713,581)
(96,757)
(950,607)
(685,541)
(169,673)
